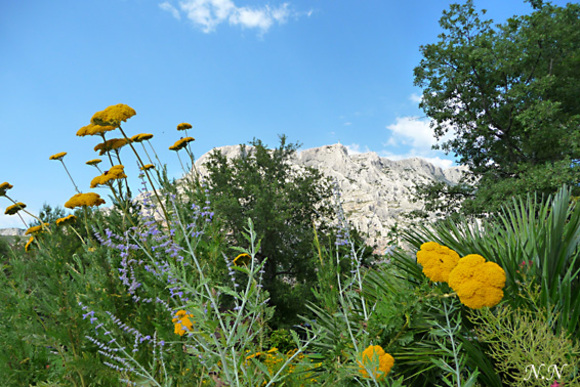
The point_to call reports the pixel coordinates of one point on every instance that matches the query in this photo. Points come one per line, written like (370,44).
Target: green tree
(510,94)
(283,203)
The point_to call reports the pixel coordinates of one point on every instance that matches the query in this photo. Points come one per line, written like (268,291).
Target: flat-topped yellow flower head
(477,283)
(93,162)
(182,322)
(94,130)
(147,167)
(57,156)
(109,145)
(113,115)
(66,220)
(27,247)
(184,126)
(5,187)
(116,172)
(89,199)
(242,259)
(181,143)
(141,137)
(36,229)
(437,261)
(13,209)
(380,370)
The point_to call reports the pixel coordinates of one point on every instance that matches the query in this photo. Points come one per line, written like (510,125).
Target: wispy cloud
(436,160)
(412,131)
(355,149)
(347,123)
(208,14)
(416,98)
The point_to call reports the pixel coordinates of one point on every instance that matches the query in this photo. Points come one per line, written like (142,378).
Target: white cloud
(416,98)
(208,14)
(355,149)
(413,131)
(166,6)
(347,123)
(437,161)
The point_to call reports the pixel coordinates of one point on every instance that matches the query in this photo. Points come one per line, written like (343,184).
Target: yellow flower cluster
(141,137)
(182,322)
(385,362)
(112,144)
(5,187)
(147,167)
(113,115)
(84,199)
(437,261)
(183,126)
(116,172)
(13,209)
(66,220)
(93,162)
(27,246)
(36,229)
(57,156)
(181,143)
(94,130)
(242,259)
(478,283)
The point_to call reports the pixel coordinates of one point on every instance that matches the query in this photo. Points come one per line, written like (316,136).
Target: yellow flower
(385,362)
(242,259)
(182,322)
(84,199)
(57,156)
(5,187)
(141,137)
(113,115)
(180,144)
(116,172)
(183,126)
(478,283)
(66,220)
(147,167)
(93,162)
(114,143)
(437,261)
(27,247)
(13,209)
(36,229)
(94,130)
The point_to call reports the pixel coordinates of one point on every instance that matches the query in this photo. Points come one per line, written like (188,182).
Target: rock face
(11,231)
(375,190)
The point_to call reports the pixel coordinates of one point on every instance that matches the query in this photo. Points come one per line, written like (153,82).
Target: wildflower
(36,229)
(94,130)
(478,283)
(93,162)
(147,167)
(66,220)
(183,126)
(182,322)
(84,199)
(5,187)
(437,261)
(242,259)
(385,363)
(57,156)
(116,172)
(13,209)
(112,144)
(180,144)
(113,115)
(141,137)
(27,246)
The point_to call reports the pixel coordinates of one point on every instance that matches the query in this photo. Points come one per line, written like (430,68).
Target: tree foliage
(510,94)
(284,203)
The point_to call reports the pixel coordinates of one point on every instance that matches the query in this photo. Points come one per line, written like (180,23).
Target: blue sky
(320,72)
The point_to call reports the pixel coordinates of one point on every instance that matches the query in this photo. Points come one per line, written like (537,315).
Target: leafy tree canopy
(510,95)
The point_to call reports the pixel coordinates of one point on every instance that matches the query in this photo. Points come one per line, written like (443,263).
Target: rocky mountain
(375,190)
(11,231)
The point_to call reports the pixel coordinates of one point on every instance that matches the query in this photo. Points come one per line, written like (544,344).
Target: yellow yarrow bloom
(242,259)
(113,115)
(93,162)
(94,130)
(112,144)
(183,126)
(477,283)
(5,187)
(181,143)
(36,229)
(141,137)
(385,362)
(27,247)
(89,199)
(13,209)
(147,167)
(437,261)
(57,156)
(182,322)
(66,220)
(116,172)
